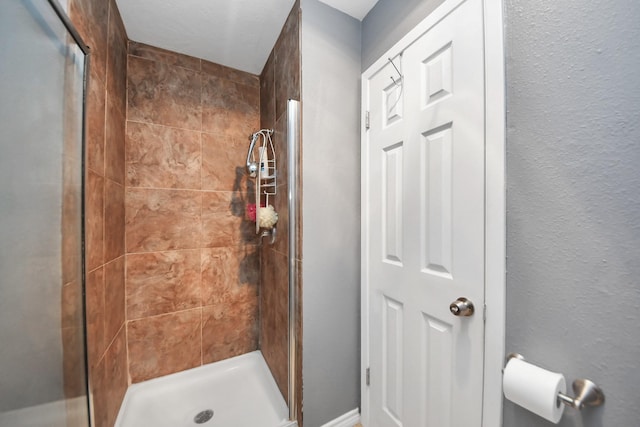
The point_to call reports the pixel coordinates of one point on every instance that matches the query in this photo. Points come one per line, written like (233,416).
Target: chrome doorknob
(462,307)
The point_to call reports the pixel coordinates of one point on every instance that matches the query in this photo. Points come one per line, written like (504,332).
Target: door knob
(462,307)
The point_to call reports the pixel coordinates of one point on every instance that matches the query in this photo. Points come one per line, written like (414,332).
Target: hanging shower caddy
(263,168)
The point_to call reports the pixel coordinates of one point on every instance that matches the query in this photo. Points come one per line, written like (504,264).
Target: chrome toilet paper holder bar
(587,393)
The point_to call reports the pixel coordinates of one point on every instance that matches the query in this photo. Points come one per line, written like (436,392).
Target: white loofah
(267,217)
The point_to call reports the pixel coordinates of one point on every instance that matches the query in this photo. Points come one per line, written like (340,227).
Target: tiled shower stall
(175,275)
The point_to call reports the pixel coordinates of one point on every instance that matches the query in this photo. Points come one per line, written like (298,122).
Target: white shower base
(240,391)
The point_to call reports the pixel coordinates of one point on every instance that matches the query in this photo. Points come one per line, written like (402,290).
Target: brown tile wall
(192,261)
(279,82)
(100,25)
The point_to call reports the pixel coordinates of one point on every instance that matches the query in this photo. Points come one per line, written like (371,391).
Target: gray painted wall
(331,212)
(573,198)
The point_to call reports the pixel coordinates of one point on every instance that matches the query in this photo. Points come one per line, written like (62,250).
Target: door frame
(495,204)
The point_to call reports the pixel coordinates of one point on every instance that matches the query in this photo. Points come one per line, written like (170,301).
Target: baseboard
(349,419)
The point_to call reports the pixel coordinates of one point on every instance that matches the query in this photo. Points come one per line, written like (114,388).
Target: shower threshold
(237,392)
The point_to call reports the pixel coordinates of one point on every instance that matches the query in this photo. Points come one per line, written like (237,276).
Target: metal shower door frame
(293,144)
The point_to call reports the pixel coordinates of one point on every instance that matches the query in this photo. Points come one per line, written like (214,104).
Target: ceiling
(236,33)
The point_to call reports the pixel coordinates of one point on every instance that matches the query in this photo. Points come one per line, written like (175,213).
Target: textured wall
(331,212)
(573,200)
(192,262)
(101,27)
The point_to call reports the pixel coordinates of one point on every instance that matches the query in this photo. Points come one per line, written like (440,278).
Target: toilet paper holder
(587,393)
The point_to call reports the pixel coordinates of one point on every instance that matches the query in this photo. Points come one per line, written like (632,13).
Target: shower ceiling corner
(239,34)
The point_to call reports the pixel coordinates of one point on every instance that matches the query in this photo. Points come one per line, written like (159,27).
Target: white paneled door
(424,217)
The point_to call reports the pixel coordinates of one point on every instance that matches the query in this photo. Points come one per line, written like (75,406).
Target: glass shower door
(42,351)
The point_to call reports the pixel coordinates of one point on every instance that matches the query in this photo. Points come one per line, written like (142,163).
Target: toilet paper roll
(534,388)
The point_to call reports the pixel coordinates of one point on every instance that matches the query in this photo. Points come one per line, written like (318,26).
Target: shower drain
(203,416)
